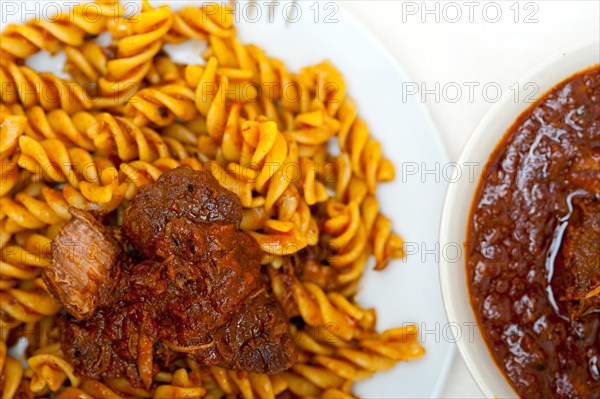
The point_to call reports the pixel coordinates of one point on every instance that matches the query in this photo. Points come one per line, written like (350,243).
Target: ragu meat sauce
(534,238)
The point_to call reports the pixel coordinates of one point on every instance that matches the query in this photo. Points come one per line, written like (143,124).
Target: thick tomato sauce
(534,245)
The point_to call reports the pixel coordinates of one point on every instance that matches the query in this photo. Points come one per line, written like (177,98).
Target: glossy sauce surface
(534,243)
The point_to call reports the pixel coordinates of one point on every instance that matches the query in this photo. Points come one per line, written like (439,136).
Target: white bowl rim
(580,49)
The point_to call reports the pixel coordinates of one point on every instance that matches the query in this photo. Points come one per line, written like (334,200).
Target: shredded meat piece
(581,252)
(85,265)
(198,293)
(585,173)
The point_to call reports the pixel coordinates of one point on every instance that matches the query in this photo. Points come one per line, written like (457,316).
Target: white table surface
(473,52)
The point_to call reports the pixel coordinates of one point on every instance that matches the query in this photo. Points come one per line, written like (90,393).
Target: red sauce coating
(533,264)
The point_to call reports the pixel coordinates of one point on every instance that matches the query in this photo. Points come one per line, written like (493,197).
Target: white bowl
(459,197)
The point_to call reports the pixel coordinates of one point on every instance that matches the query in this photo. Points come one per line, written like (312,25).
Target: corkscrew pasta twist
(200,22)
(94,178)
(191,138)
(12,371)
(57,124)
(139,39)
(65,28)
(29,210)
(140,173)
(161,106)
(46,203)
(355,226)
(221,382)
(332,365)
(121,137)
(361,151)
(210,96)
(86,64)
(28,302)
(130,114)
(164,71)
(12,127)
(21,84)
(338,340)
(52,160)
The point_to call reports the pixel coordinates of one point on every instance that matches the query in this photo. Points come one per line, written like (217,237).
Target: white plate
(458,202)
(408,291)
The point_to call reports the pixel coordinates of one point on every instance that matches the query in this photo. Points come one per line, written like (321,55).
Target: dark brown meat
(585,173)
(253,338)
(179,192)
(84,265)
(198,294)
(581,251)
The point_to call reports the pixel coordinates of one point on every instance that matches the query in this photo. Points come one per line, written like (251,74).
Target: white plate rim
(443,376)
(357,24)
(435,137)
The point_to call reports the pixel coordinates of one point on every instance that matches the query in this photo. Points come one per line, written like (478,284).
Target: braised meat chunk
(198,293)
(85,265)
(581,252)
(182,192)
(585,172)
(157,318)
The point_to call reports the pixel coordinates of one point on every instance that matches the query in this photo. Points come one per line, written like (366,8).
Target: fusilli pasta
(130,114)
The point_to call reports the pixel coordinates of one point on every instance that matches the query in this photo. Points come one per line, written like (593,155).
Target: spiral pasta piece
(28,302)
(40,205)
(355,227)
(19,83)
(28,210)
(179,384)
(11,128)
(12,371)
(220,382)
(362,152)
(162,106)
(122,137)
(57,124)
(164,71)
(65,28)
(329,86)
(130,114)
(96,179)
(9,174)
(191,139)
(200,22)
(140,173)
(314,190)
(265,161)
(316,308)
(331,364)
(86,64)
(139,40)
(54,161)
(49,370)
(209,96)
(103,133)
(350,235)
